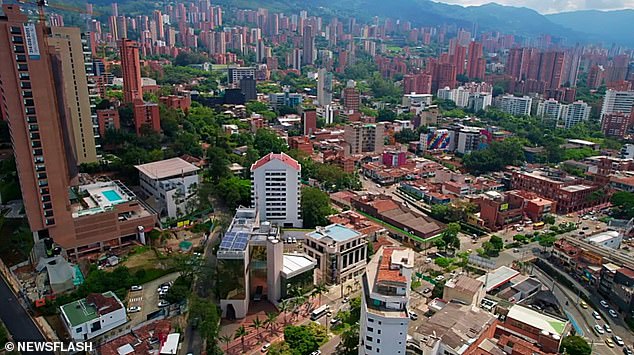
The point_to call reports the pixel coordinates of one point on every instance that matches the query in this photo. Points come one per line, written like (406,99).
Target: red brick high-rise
(146,116)
(419,83)
(131,70)
(32,103)
(309,121)
(476,64)
(351,99)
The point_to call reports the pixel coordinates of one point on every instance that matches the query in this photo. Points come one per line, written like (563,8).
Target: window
(369,338)
(15,30)
(371,320)
(17,39)
(18,49)
(20,58)
(77,330)
(378,331)
(370,329)
(368,347)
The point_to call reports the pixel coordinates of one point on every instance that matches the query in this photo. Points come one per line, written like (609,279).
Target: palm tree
(241,332)
(284,307)
(257,324)
(269,322)
(319,290)
(225,339)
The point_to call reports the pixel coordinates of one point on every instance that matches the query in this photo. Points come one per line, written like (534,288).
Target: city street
(583,317)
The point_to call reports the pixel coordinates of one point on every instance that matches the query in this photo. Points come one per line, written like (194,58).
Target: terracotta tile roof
(103,304)
(384,205)
(386,274)
(286,159)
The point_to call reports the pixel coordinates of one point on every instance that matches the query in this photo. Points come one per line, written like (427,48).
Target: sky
(553,6)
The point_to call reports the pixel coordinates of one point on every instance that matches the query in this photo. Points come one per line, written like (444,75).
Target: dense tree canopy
(575,345)
(495,157)
(315,207)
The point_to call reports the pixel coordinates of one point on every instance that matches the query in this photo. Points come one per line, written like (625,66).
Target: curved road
(17,320)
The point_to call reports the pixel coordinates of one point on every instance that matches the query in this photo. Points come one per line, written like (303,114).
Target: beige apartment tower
(68,45)
(365,138)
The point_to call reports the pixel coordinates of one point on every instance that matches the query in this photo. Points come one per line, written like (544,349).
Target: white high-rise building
(517,106)
(575,113)
(275,189)
(324,87)
(384,302)
(617,101)
(550,109)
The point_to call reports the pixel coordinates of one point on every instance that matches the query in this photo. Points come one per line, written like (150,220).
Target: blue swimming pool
(112,195)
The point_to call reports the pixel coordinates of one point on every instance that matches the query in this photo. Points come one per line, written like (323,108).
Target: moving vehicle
(316,352)
(134,309)
(319,312)
(613,313)
(136,288)
(618,340)
(604,304)
(583,304)
(265,347)
(596,315)
(597,329)
(538,225)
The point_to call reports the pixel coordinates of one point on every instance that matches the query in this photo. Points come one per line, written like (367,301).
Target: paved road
(583,317)
(17,320)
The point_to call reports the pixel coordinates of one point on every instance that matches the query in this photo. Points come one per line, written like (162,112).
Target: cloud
(552,6)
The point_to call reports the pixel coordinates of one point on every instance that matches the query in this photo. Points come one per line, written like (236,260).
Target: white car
(439,278)
(134,309)
(136,288)
(265,347)
(345,300)
(607,328)
(163,303)
(598,329)
(618,340)
(613,313)
(596,315)
(604,304)
(413,315)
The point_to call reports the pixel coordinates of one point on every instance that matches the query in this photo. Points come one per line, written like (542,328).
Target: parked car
(345,300)
(618,340)
(426,290)
(627,351)
(334,321)
(413,315)
(607,328)
(439,278)
(134,309)
(604,304)
(136,288)
(596,315)
(613,313)
(163,303)
(265,347)
(316,352)
(583,304)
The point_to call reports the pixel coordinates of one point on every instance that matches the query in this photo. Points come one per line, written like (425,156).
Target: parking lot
(147,298)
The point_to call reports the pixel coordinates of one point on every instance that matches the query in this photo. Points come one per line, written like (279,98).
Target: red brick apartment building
(569,193)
